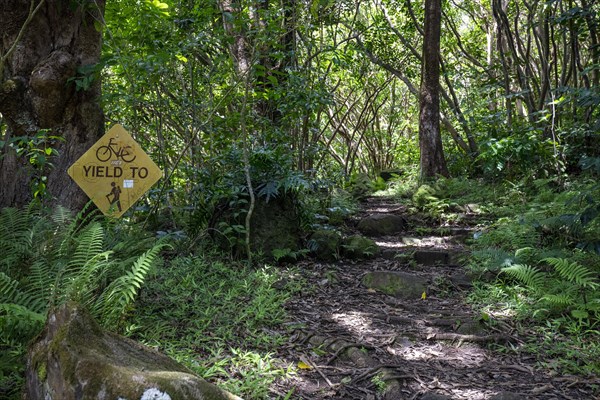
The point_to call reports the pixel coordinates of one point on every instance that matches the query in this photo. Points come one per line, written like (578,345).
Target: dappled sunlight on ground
(358,341)
(355,322)
(458,356)
(410,242)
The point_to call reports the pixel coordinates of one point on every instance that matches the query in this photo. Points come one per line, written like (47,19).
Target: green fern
(10,292)
(49,260)
(18,322)
(119,295)
(530,276)
(573,272)
(41,282)
(559,301)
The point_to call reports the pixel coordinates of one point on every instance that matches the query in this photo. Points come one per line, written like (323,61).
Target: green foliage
(574,273)
(516,154)
(510,234)
(530,276)
(360,185)
(54,258)
(38,150)
(427,199)
(216,318)
(405,186)
(424,196)
(337,206)
(543,276)
(288,254)
(86,76)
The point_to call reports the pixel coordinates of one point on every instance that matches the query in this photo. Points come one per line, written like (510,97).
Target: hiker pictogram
(116,196)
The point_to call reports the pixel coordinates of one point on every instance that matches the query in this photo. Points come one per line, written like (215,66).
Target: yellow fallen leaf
(423,296)
(303,365)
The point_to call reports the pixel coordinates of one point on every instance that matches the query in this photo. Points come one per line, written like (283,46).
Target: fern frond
(269,190)
(41,280)
(530,276)
(562,300)
(15,237)
(115,299)
(573,272)
(19,322)
(10,292)
(61,216)
(13,220)
(81,285)
(89,245)
(71,226)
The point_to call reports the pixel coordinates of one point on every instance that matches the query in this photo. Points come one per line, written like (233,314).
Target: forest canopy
(329,90)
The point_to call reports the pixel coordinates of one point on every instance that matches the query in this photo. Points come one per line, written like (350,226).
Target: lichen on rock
(357,247)
(74,359)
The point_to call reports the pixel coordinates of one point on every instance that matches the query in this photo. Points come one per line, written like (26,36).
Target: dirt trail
(353,342)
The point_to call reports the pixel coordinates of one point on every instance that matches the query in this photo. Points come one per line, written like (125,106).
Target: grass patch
(222,321)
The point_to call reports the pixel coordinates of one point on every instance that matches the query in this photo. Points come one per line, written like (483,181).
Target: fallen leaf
(303,365)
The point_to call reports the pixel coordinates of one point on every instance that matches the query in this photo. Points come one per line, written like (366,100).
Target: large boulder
(74,359)
(382,224)
(275,225)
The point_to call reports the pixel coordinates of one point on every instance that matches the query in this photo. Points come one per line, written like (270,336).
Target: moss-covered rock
(360,186)
(398,284)
(382,224)
(275,224)
(357,246)
(325,244)
(74,359)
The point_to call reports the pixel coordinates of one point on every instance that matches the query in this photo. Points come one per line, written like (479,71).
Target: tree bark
(38,92)
(433,162)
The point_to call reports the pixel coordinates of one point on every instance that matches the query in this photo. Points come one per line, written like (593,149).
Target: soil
(352,342)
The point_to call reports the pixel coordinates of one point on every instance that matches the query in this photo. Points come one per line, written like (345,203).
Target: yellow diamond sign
(115,172)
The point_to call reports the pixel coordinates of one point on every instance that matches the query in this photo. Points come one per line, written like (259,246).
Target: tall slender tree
(432,161)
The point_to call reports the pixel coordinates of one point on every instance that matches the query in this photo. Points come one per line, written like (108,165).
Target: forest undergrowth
(535,253)
(536,256)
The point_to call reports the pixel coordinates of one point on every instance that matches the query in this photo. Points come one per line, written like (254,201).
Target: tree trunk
(57,46)
(430,140)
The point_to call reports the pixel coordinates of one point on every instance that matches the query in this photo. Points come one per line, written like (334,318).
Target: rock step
(381,224)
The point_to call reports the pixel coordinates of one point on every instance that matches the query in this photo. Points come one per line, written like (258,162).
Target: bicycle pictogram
(104,153)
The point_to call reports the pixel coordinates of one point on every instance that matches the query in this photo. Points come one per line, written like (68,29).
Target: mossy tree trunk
(48,82)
